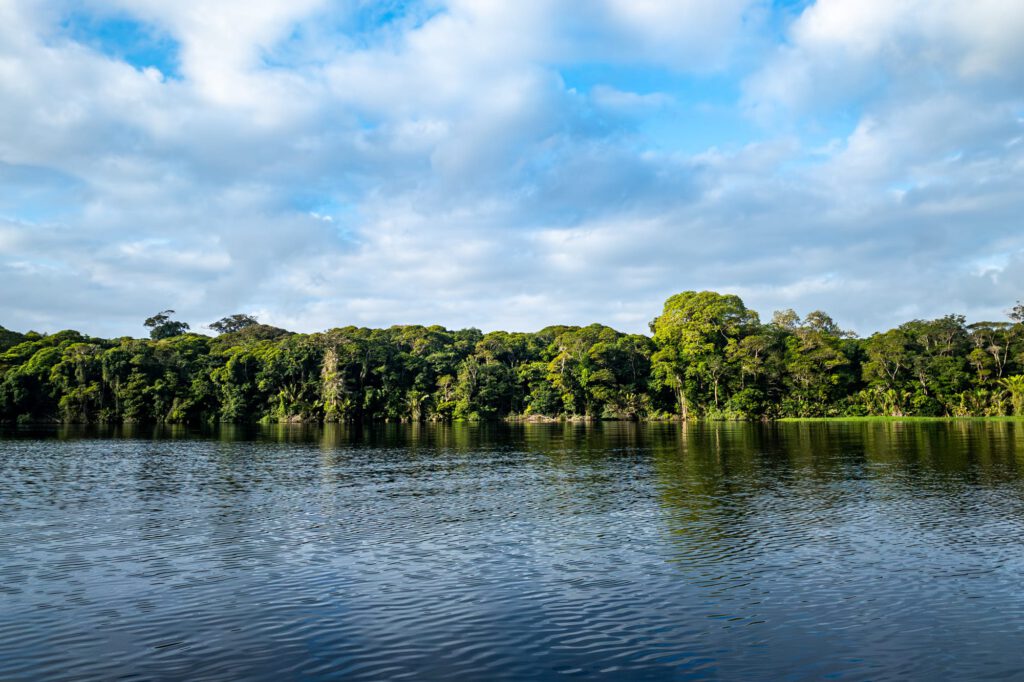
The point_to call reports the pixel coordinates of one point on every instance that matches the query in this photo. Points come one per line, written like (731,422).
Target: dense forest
(708,357)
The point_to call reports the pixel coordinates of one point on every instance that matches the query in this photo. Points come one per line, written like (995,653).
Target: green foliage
(1014,387)
(709,357)
(700,339)
(9,339)
(233,323)
(161,326)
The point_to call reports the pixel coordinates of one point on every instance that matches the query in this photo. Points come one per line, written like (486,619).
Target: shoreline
(531,420)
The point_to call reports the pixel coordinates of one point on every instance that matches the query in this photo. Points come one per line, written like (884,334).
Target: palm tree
(1015,387)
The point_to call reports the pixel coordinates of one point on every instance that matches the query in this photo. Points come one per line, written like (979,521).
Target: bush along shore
(708,357)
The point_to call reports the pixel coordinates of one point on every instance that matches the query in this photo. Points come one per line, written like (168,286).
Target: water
(729,551)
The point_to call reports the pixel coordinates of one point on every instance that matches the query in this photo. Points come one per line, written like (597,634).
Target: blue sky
(507,165)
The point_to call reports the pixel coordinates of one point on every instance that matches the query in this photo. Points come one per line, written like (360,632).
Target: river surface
(721,551)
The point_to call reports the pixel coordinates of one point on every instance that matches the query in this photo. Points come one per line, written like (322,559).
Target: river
(844,550)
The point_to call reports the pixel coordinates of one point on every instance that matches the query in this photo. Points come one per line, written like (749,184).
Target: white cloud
(841,51)
(620,101)
(680,33)
(441,170)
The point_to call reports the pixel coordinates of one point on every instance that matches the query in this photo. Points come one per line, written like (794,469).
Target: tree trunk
(681,397)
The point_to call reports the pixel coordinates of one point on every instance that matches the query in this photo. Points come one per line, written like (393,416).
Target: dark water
(739,552)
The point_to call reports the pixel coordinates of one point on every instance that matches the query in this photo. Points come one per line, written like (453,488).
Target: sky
(507,165)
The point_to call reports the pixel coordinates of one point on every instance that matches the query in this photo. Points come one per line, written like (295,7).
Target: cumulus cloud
(839,52)
(325,163)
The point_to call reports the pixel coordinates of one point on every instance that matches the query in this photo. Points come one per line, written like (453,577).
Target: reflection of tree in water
(736,493)
(707,475)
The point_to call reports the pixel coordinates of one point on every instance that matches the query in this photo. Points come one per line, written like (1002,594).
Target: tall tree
(232,323)
(692,335)
(161,326)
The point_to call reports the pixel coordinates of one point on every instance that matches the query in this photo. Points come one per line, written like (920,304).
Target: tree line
(708,357)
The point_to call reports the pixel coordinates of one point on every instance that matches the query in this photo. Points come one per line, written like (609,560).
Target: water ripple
(857,551)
